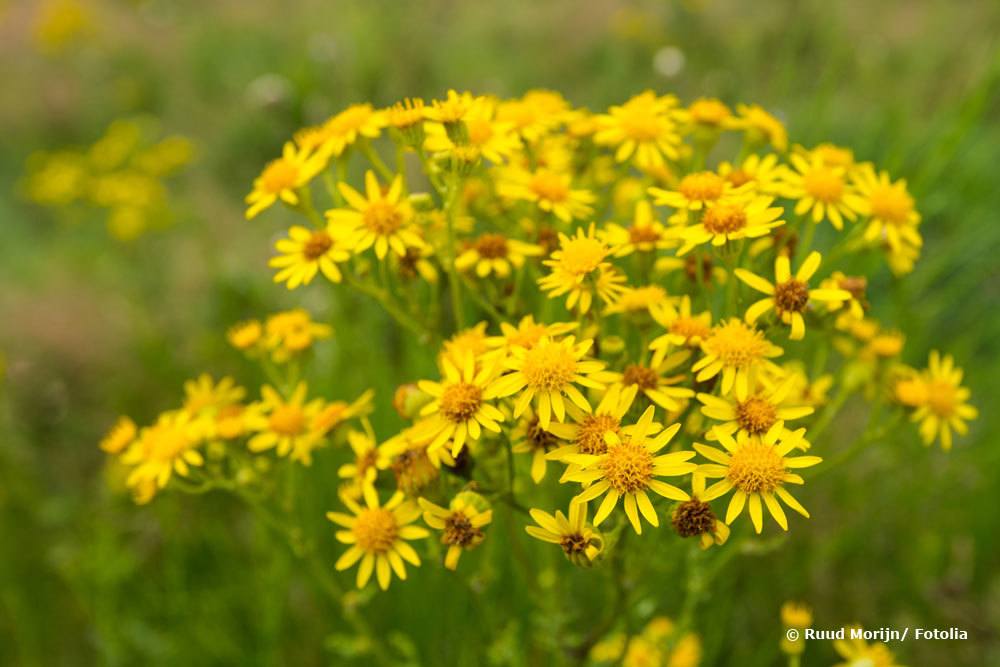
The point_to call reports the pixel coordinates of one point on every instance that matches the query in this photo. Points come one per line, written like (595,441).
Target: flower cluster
(123,175)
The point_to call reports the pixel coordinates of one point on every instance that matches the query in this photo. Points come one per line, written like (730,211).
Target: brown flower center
(459,531)
(693,517)
(460,401)
(756,415)
(643,234)
(724,219)
(756,467)
(791,295)
(383,218)
(574,543)
(491,246)
(645,378)
(317,245)
(590,436)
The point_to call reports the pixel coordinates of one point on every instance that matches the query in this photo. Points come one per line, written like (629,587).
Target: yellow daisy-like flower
(286,426)
(545,375)
(453,109)
(855,285)
(796,615)
(654,383)
(473,340)
(496,254)
(461,524)
(708,113)
(527,333)
(168,446)
(204,396)
(368,460)
(684,329)
(579,268)
(823,191)
(528,437)
(495,140)
(535,114)
(585,433)
(307,252)
(761,126)
(762,173)
(379,219)
(755,414)
(643,129)
(579,540)
(245,335)
(282,177)
(342,130)
(336,413)
(731,219)
(695,191)
(945,408)
(648,299)
(757,469)
(377,535)
(892,216)
(119,436)
(645,234)
(694,517)
(789,296)
(628,470)
(550,190)
(856,652)
(459,410)
(292,332)
(417,263)
(736,350)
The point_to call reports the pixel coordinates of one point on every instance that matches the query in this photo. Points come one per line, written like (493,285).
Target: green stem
(454,284)
(402,317)
(373,157)
(806,240)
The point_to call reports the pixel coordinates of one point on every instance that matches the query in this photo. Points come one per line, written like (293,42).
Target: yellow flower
(413,466)
(789,296)
(892,217)
(535,114)
(643,129)
(307,252)
(368,460)
(822,190)
(527,333)
(203,396)
(628,470)
(528,437)
(545,374)
(461,524)
(494,139)
(760,126)
(731,219)
(245,335)
(586,432)
(709,113)
(796,615)
(335,413)
(282,177)
(645,234)
(472,341)
(550,190)
(119,436)
(292,332)
(757,468)
(168,446)
(342,130)
(654,383)
(695,191)
(946,408)
(650,299)
(737,351)
(579,268)
(756,414)
(856,304)
(579,540)
(377,535)
(858,653)
(762,173)
(380,219)
(417,262)
(495,253)
(683,329)
(694,517)
(453,109)
(459,410)
(286,425)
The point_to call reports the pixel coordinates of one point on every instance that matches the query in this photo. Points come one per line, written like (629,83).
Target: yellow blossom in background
(307,252)
(944,409)
(729,220)
(684,328)
(580,541)
(738,352)
(858,652)
(756,414)
(358,121)
(645,234)
(695,191)
(643,129)
(171,445)
(892,217)
(378,535)
(495,254)
(368,460)
(551,191)
(282,178)
(760,126)
(762,173)
(461,524)
(292,332)
(580,268)
(285,425)
(119,436)
(822,191)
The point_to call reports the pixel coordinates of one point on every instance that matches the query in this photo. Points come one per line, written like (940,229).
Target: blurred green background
(91,327)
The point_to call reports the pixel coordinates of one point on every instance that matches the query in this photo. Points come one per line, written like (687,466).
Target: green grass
(91,329)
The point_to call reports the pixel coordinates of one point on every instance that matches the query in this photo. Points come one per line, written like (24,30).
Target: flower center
(574,543)
(168,443)
(317,245)
(890,204)
(756,467)
(279,175)
(644,378)
(491,246)
(375,529)
(823,184)
(627,466)
(689,327)
(791,295)
(724,219)
(287,420)
(550,186)
(856,285)
(413,470)
(643,234)
(590,436)
(582,255)
(709,112)
(736,344)
(382,218)
(538,437)
(460,401)
(756,415)
(738,177)
(549,367)
(702,186)
(458,530)
(941,397)
(693,517)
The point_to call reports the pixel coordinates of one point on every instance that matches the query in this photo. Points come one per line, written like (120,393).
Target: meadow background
(91,327)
